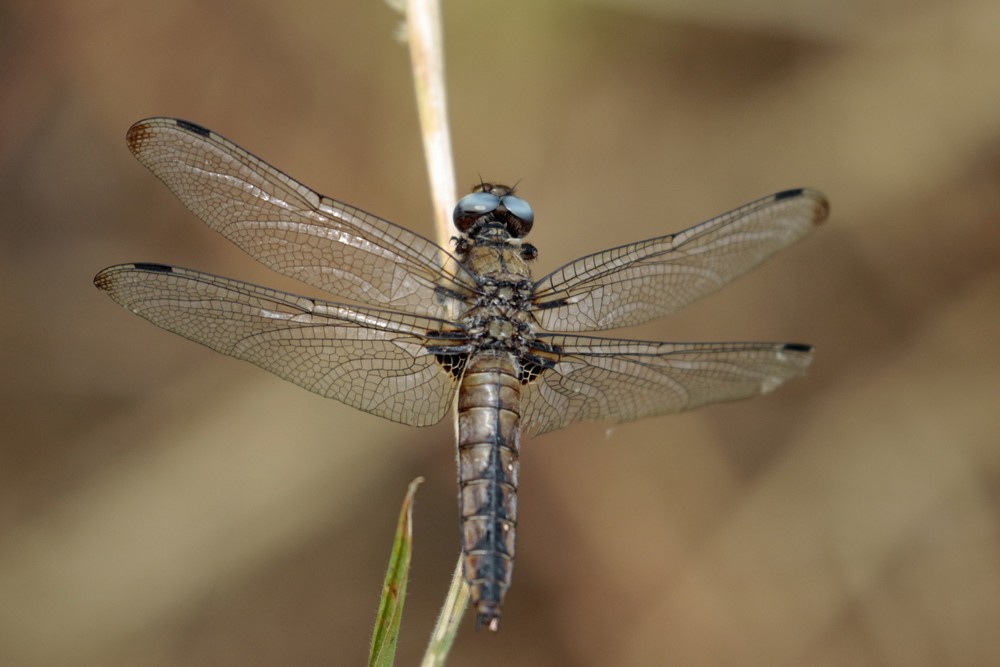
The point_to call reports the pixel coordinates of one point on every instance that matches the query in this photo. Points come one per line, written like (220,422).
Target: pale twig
(423,29)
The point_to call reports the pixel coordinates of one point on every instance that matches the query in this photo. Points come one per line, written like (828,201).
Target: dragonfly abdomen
(489,438)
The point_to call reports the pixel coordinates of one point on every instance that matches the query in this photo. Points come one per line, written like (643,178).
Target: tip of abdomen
(489,619)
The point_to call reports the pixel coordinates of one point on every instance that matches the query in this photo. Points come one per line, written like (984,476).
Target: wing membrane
(294,230)
(370,359)
(635,283)
(622,380)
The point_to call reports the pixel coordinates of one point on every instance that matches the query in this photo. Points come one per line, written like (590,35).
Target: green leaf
(390,609)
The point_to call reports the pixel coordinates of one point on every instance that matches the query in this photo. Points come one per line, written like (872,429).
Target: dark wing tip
(103,279)
(822,206)
(797,347)
(192,127)
(788,194)
(148,266)
(143,130)
(138,134)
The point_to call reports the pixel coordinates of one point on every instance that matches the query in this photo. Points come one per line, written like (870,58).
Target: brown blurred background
(163,505)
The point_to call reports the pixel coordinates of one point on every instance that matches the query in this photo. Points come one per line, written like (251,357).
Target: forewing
(622,380)
(294,230)
(634,283)
(370,359)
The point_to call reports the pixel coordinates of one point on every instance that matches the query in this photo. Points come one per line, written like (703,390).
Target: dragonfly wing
(373,360)
(635,283)
(293,229)
(622,380)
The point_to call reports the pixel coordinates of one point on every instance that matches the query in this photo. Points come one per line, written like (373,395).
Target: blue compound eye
(522,215)
(519,208)
(472,207)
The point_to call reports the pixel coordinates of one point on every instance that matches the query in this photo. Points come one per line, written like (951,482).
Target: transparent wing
(294,230)
(370,359)
(622,380)
(634,283)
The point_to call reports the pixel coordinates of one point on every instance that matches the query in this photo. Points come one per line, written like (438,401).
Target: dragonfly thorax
(499,328)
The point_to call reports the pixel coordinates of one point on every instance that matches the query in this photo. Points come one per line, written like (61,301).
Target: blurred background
(164,505)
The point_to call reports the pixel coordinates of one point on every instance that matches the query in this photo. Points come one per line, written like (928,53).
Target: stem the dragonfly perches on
(423,30)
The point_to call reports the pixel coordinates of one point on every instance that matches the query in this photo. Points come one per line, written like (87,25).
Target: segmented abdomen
(489,439)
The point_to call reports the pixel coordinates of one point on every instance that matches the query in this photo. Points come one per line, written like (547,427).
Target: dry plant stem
(423,25)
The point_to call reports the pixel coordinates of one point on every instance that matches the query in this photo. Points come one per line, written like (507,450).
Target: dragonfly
(426,328)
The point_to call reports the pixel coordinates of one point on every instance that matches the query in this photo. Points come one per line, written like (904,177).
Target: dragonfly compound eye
(521,215)
(472,207)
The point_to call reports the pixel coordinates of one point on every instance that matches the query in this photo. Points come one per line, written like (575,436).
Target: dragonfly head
(491,205)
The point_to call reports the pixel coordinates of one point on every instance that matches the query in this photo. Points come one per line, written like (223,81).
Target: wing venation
(374,360)
(638,282)
(295,230)
(622,380)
